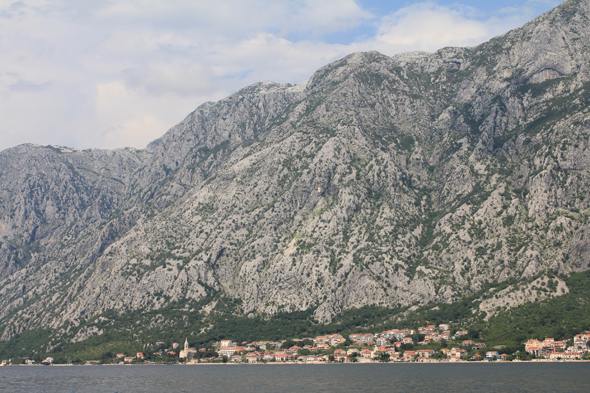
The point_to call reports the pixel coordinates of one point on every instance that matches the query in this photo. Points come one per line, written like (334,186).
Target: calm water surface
(501,377)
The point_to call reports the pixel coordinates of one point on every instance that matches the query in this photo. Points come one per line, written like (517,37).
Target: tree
(288,344)
(384,357)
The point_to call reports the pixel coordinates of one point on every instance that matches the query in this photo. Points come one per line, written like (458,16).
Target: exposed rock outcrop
(382,180)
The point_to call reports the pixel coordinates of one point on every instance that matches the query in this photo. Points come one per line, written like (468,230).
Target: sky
(120,73)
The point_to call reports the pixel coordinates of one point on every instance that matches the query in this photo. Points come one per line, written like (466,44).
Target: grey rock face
(382,180)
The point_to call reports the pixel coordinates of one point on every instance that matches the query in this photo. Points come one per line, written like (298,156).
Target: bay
(467,377)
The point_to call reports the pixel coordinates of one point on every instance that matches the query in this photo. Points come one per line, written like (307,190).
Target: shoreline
(294,363)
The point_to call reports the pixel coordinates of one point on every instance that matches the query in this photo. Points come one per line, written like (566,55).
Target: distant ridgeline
(450,186)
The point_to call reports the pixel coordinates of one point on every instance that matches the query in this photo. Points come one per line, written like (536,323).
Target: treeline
(561,318)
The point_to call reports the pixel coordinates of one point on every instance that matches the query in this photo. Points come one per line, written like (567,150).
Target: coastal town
(428,344)
(397,345)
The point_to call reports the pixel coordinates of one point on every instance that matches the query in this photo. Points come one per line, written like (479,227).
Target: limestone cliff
(382,180)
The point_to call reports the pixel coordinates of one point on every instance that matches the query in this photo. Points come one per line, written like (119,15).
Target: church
(187,353)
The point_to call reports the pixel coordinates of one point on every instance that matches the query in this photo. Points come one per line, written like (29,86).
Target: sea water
(467,377)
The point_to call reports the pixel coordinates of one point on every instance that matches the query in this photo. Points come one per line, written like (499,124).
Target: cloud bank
(111,74)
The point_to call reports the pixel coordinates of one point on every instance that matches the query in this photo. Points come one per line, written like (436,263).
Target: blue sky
(116,73)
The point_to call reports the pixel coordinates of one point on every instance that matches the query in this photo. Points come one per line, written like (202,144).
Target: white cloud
(114,73)
(429,27)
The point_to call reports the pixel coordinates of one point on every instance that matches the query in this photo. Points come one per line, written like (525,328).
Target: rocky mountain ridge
(389,181)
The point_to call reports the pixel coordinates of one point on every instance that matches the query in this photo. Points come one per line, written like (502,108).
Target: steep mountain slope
(388,181)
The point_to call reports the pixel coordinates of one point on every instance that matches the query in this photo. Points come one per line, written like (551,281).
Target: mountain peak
(389,181)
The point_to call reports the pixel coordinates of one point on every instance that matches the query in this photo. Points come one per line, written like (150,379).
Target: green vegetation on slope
(561,318)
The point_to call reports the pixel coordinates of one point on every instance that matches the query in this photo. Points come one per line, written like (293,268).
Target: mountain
(397,181)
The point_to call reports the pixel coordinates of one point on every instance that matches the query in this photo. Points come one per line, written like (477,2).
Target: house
(367,337)
(260,344)
(410,355)
(426,340)
(533,350)
(355,337)
(389,333)
(436,337)
(281,357)
(139,355)
(381,341)
(341,357)
(426,353)
(503,357)
(366,354)
(556,355)
(446,335)
(478,345)
(407,340)
(268,356)
(546,350)
(403,333)
(226,343)
(531,343)
(236,359)
(129,359)
(491,355)
(48,361)
(443,326)
(468,343)
(319,340)
(292,350)
(575,350)
(572,355)
(254,357)
(229,351)
(120,355)
(337,340)
(333,340)
(580,341)
(458,352)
